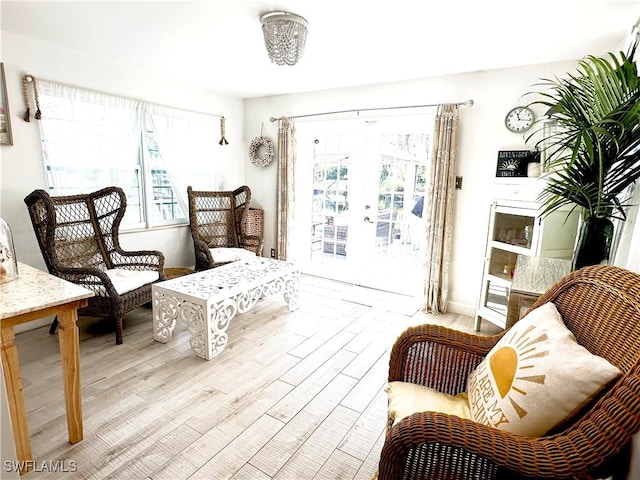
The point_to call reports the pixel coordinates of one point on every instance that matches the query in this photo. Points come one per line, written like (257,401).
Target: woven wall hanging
(261,150)
(264,145)
(26,81)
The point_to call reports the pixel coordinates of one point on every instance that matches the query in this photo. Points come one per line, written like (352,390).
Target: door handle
(367,220)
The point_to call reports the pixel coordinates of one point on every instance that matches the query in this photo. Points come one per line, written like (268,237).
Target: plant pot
(594,242)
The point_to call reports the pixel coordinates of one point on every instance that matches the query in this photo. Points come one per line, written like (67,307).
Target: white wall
(21,165)
(480,136)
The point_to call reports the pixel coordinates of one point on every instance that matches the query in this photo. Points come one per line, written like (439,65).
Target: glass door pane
(365,186)
(330,209)
(397,153)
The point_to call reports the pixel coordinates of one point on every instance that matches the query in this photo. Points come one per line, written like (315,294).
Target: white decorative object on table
(8,262)
(207,301)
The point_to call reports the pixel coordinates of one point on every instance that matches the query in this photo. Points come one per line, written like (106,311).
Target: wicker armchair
(78,238)
(601,306)
(216,221)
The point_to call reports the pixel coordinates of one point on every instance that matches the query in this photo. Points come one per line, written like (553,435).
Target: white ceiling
(218,43)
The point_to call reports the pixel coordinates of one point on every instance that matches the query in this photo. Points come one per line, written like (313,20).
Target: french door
(360,187)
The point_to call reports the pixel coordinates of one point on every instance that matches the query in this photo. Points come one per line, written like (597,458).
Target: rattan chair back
(213,218)
(601,307)
(77,230)
(216,220)
(78,238)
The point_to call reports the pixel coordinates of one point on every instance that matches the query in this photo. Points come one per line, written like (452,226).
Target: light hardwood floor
(295,395)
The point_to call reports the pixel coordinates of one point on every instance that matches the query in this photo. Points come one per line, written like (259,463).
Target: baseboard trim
(461,308)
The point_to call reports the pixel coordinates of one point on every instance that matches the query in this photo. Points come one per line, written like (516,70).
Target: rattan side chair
(217,226)
(601,307)
(78,238)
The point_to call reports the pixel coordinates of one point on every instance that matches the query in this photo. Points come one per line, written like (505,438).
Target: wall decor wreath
(261,151)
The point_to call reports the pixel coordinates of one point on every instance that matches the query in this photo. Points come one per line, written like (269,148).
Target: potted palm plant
(593,154)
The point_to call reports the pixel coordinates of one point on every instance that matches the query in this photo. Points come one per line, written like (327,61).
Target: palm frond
(594,154)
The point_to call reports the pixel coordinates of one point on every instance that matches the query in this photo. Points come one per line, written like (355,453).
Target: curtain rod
(467,103)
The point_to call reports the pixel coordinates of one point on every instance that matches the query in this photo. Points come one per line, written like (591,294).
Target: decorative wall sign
(513,163)
(261,151)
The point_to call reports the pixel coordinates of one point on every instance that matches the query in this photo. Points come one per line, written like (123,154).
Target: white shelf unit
(516,228)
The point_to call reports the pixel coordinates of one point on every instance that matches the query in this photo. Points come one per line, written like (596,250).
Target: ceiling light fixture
(284,36)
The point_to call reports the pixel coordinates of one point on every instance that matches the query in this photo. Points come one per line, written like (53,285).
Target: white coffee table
(207,301)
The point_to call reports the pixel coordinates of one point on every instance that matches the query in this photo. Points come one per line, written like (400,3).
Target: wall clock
(519,119)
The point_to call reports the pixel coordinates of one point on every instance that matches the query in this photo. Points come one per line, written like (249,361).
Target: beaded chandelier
(284,36)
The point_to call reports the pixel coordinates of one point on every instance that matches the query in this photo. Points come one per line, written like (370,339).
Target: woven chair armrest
(254,243)
(559,456)
(91,278)
(139,260)
(424,354)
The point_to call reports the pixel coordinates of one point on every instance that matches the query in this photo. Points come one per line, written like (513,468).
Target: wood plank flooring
(295,395)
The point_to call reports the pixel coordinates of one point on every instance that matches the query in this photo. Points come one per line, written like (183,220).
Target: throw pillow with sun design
(536,376)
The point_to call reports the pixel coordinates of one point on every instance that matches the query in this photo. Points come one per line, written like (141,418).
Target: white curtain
(92,139)
(186,142)
(285,195)
(438,208)
(81,128)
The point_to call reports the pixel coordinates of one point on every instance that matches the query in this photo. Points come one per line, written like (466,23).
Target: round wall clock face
(519,119)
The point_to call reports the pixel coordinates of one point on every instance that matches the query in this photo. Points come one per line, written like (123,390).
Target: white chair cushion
(406,399)
(126,280)
(231,254)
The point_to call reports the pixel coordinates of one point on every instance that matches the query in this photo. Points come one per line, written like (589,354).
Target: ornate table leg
(291,288)
(165,313)
(193,316)
(219,320)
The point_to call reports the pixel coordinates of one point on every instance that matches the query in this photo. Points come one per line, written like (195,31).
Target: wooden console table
(34,295)
(531,278)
